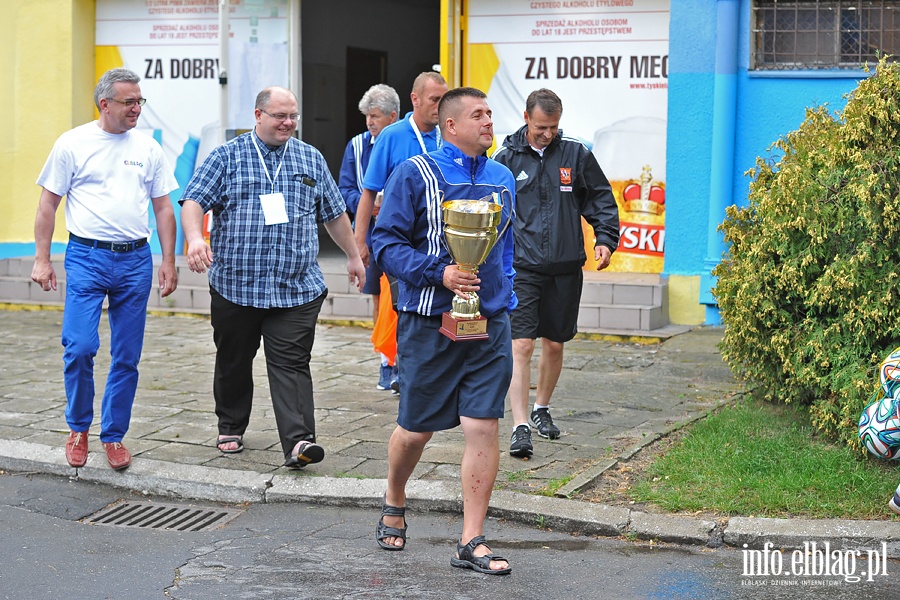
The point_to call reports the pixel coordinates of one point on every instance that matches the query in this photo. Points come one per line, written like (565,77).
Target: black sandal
(236,439)
(307,453)
(382,531)
(467,559)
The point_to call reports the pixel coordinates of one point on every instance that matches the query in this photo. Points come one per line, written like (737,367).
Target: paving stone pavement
(611,397)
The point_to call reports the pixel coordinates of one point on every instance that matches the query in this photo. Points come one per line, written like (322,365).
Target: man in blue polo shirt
(381,105)
(417,133)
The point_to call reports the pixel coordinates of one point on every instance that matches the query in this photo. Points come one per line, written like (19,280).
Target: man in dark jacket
(558,181)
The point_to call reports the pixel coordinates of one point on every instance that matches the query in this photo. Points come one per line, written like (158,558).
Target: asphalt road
(289,550)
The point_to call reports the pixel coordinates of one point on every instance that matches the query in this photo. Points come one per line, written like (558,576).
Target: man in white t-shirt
(110,175)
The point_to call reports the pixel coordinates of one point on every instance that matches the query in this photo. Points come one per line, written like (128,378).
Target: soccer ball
(879,428)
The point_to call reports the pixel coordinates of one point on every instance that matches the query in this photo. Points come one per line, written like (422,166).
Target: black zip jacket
(552,193)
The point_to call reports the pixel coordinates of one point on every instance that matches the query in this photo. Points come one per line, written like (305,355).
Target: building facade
(719,81)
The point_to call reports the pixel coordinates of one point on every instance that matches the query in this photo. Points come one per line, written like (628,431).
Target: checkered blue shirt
(259,265)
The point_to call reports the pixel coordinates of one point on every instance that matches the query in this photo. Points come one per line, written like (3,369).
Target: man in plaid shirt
(267,191)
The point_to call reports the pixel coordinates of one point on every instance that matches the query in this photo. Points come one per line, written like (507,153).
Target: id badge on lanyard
(274,208)
(273,205)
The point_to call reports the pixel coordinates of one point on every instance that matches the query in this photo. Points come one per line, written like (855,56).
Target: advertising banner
(173,45)
(608,62)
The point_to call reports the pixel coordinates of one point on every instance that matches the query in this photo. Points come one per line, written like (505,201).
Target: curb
(148,476)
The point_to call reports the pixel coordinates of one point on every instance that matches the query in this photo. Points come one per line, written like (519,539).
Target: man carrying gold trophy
(456,382)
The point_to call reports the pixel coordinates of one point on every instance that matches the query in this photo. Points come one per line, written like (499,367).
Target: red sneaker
(77,448)
(117,455)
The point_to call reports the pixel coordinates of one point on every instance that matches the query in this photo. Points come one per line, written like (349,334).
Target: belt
(111,246)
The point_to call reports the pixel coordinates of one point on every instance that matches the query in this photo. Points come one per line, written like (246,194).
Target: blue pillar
(722,159)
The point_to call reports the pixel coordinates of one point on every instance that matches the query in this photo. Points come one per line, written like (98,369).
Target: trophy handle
(440,201)
(509,220)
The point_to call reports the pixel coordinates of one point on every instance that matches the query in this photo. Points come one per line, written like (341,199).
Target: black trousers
(288,335)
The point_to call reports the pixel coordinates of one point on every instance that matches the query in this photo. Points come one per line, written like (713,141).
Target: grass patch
(554,484)
(760,459)
(518,475)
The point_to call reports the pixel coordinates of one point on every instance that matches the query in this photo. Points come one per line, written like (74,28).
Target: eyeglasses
(130,102)
(282,116)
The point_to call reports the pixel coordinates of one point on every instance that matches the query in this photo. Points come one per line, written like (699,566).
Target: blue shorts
(548,305)
(373,277)
(442,380)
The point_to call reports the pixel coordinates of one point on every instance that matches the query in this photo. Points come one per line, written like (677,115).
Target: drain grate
(171,517)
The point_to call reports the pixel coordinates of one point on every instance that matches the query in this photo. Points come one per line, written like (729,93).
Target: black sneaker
(541,420)
(520,442)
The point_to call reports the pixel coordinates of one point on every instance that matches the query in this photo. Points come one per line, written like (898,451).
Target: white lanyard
(263,163)
(419,134)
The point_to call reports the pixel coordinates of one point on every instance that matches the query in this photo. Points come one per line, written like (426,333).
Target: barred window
(804,35)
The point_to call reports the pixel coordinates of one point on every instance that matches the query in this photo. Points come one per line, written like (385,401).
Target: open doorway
(365,68)
(349,45)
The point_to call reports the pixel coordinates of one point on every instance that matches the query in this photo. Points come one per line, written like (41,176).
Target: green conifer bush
(809,289)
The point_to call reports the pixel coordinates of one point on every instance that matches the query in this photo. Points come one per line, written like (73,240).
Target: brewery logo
(644,197)
(642,231)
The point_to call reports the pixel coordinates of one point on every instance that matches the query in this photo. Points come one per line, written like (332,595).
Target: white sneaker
(894,503)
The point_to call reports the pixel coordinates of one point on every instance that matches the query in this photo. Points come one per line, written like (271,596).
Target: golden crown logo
(644,197)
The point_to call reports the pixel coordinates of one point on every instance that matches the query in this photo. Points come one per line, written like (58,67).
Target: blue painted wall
(692,61)
(767,107)
(773,104)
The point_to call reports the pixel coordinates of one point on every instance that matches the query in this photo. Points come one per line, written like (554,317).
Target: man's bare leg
(520,384)
(404,451)
(481,459)
(549,369)
(376,299)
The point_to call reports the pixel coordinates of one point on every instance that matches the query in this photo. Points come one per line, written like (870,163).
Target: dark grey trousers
(288,335)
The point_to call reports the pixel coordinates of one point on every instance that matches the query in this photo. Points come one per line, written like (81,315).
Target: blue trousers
(125,278)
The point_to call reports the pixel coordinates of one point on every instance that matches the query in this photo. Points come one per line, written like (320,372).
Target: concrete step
(621,316)
(616,304)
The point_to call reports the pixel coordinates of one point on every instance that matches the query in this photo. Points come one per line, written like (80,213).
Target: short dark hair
(544,99)
(450,103)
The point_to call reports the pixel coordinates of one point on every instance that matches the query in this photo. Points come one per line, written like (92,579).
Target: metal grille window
(803,35)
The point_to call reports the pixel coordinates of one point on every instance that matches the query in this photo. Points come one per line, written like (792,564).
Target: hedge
(809,290)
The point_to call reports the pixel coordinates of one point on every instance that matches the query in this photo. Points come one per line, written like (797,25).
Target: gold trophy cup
(470,233)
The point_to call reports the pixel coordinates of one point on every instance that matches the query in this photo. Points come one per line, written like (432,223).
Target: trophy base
(463,330)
